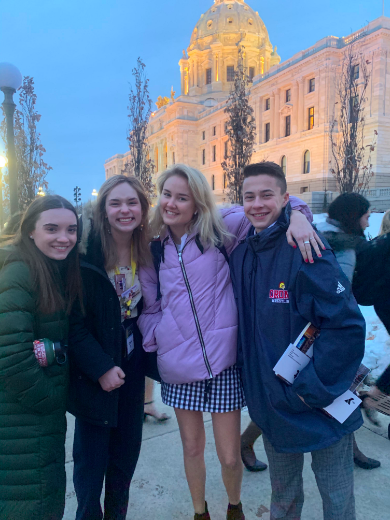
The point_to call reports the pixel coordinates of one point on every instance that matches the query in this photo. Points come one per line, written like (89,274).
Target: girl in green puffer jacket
(39,281)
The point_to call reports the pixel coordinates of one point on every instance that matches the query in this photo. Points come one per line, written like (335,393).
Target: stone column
(182,84)
(195,72)
(260,119)
(272,115)
(300,105)
(317,100)
(276,115)
(295,102)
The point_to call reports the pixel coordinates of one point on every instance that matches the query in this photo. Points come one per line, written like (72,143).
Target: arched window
(306,162)
(283,163)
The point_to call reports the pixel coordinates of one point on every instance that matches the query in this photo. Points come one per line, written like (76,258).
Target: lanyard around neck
(133,270)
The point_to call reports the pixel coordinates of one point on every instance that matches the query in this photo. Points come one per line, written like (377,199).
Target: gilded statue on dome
(162,101)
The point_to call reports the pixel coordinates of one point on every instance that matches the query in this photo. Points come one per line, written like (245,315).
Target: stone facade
(288,98)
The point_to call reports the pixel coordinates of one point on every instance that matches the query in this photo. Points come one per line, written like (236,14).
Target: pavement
(159,489)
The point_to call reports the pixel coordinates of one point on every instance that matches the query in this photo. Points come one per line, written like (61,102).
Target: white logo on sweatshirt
(340,288)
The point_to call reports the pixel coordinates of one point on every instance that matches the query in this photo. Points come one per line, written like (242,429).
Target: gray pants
(333,469)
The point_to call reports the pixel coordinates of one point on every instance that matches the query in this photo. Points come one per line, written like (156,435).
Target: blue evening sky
(81,53)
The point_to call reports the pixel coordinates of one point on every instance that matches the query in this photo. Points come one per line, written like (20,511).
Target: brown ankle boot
(203,516)
(235,512)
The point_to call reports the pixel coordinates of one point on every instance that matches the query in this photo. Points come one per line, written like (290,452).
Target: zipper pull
(179,256)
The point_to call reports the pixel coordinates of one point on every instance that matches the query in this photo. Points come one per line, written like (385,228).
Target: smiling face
(55,233)
(263,200)
(177,204)
(123,209)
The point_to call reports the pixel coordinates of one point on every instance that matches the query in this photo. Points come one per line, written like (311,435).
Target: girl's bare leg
(193,438)
(227,430)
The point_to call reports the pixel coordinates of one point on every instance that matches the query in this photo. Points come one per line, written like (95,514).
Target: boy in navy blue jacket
(290,416)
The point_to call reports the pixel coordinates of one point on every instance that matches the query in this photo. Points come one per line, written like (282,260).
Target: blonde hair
(385,225)
(141,235)
(207,220)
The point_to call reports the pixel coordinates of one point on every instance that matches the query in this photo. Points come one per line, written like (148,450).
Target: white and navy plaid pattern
(333,469)
(223,393)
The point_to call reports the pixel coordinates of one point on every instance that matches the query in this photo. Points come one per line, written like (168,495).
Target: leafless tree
(32,169)
(351,163)
(241,130)
(140,107)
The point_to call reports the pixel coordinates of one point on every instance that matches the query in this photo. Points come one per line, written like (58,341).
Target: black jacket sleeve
(372,271)
(84,351)
(324,297)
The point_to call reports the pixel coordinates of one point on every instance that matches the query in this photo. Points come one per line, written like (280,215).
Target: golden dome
(225,18)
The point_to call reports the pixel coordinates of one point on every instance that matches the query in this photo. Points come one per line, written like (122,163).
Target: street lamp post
(3,162)
(10,81)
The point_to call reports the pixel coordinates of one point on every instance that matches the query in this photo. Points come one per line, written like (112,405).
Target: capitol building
(294,103)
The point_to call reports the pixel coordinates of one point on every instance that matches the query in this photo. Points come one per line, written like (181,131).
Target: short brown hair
(267,168)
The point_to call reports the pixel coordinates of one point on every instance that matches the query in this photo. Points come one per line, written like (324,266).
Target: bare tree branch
(351,163)
(241,129)
(140,107)
(32,169)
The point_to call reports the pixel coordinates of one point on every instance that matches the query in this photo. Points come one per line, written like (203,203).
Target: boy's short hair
(267,168)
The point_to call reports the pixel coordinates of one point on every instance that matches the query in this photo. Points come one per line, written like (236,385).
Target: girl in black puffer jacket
(344,230)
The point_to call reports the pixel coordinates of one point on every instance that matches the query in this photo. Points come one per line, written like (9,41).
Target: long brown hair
(141,235)
(56,292)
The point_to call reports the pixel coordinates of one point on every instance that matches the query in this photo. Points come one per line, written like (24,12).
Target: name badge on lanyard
(120,283)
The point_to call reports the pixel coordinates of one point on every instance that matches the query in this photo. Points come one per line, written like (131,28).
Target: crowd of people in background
(94,309)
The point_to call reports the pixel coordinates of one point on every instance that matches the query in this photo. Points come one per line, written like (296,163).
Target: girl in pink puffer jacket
(190,319)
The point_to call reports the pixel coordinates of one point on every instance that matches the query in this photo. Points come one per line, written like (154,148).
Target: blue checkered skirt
(223,393)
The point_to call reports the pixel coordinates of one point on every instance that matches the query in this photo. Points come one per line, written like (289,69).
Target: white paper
(291,363)
(343,406)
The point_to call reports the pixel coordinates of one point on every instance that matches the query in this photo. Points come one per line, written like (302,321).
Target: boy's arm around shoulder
(324,297)
(151,313)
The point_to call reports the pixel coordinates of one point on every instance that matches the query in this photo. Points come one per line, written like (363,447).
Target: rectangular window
(251,73)
(355,72)
(208,76)
(304,189)
(203,135)
(203,156)
(288,95)
(268,103)
(214,153)
(267,132)
(213,182)
(225,126)
(288,126)
(214,130)
(311,118)
(226,149)
(230,73)
(312,85)
(173,158)
(224,181)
